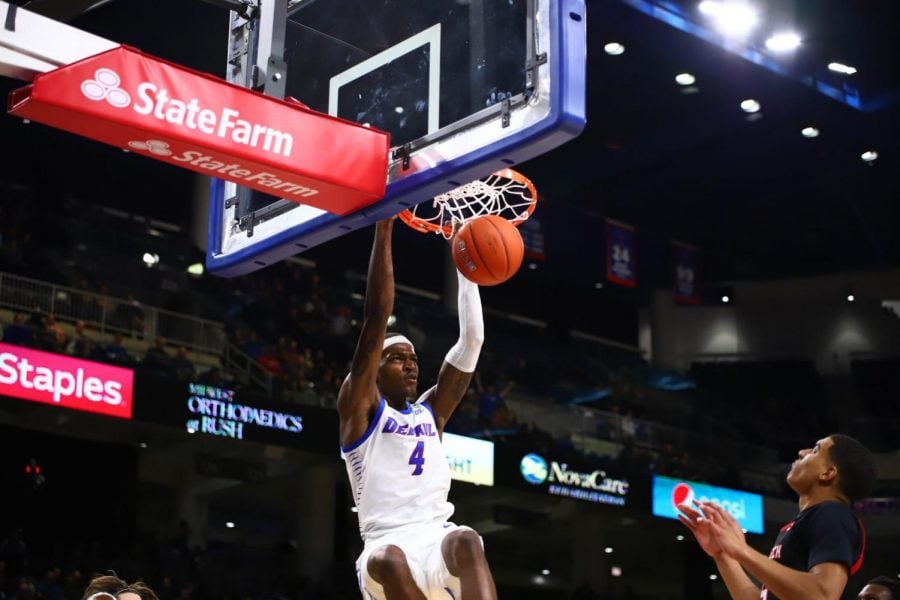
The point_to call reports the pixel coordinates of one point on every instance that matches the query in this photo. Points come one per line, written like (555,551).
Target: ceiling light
(841,68)
(734,19)
(398,110)
(195,269)
(725,299)
(229,524)
(532,266)
(685,79)
(545,572)
(783,42)
(713,576)
(850,297)
(143,445)
(679,537)
(809,132)
(869,156)
(150,259)
(616,571)
(608,550)
(750,105)
(614,48)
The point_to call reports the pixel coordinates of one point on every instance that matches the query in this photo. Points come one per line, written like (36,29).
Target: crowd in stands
(298,325)
(173,569)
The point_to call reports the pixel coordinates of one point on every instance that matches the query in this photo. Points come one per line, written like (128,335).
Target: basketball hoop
(506,193)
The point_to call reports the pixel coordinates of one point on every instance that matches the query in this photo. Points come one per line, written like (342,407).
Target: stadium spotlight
(750,105)
(841,68)
(726,299)
(614,48)
(151,259)
(685,79)
(783,42)
(229,524)
(733,19)
(869,156)
(809,132)
(851,298)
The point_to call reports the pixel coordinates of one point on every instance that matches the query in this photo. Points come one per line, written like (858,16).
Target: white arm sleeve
(464,354)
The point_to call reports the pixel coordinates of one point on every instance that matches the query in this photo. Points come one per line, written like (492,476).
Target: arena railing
(582,425)
(111,315)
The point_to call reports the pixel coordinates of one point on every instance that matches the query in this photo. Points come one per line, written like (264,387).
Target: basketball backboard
(464,87)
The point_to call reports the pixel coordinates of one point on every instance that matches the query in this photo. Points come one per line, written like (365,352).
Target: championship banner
(532,231)
(685,264)
(620,254)
(202,123)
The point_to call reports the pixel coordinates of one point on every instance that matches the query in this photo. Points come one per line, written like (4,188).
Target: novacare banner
(63,381)
(670,493)
(194,120)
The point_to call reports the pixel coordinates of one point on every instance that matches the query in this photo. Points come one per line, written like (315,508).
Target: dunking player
(392,447)
(815,554)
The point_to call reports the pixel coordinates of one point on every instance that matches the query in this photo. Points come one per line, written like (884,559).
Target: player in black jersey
(815,554)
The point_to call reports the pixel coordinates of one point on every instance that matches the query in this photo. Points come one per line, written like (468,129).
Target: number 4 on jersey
(417,458)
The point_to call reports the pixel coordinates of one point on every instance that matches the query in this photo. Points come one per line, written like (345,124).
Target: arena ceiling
(677,162)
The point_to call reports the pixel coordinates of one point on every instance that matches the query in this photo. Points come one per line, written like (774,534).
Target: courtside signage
(670,493)
(470,459)
(560,479)
(164,111)
(67,382)
(215,411)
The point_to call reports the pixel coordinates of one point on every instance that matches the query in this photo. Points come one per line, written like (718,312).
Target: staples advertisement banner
(194,120)
(63,381)
(669,493)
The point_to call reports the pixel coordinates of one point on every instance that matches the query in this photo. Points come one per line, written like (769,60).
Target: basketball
(488,250)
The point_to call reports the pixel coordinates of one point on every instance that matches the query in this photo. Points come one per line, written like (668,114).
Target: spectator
(182,365)
(80,345)
(880,588)
(18,333)
(115,351)
(130,316)
(110,587)
(157,358)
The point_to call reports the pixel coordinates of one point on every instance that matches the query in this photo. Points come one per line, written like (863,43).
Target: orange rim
(425,226)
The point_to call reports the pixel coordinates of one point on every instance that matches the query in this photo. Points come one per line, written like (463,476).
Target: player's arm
(461,360)
(739,585)
(823,581)
(358,395)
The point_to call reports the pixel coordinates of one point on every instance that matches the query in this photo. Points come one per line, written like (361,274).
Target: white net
(505,193)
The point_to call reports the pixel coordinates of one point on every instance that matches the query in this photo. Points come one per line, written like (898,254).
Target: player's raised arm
(358,396)
(461,360)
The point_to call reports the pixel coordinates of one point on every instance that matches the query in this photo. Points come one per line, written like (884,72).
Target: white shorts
(422,547)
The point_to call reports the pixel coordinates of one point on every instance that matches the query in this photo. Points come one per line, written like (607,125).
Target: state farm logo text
(61,380)
(156,102)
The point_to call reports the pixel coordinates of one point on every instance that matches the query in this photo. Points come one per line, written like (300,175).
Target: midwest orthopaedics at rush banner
(194,120)
(66,382)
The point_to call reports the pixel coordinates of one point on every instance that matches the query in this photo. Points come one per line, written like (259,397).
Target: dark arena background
(711,283)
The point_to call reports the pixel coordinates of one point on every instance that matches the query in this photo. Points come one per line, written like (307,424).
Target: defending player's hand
(726,530)
(701,528)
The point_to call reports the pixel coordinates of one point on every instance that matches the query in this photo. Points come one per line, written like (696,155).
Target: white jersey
(399,472)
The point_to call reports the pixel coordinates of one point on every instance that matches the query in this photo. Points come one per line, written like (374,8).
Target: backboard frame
(551,112)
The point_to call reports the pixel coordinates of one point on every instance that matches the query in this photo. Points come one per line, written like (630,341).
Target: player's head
(838,462)
(880,588)
(398,374)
